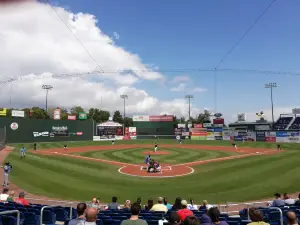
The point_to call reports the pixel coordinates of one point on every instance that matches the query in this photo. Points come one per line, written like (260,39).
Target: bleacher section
(282,123)
(296,124)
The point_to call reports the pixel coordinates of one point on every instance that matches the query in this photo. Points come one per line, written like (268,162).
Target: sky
(152,51)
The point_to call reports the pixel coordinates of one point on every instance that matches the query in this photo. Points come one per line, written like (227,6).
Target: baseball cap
(184,202)
(160,199)
(22,194)
(174,218)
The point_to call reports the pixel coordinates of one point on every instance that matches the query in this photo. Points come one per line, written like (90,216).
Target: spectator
(297,203)
(113,205)
(214,215)
(184,212)
(4,195)
(94,204)
(21,200)
(91,216)
(149,205)
(205,220)
(81,208)
(169,206)
(177,204)
(134,219)
(174,219)
(288,201)
(205,205)
(256,217)
(139,201)
(127,204)
(278,201)
(11,196)
(192,205)
(292,218)
(191,220)
(159,206)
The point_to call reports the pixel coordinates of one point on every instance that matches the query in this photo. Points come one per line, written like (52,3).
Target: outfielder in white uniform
(155,147)
(7,168)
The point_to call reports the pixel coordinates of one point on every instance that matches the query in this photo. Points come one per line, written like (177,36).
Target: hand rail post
(280,212)
(42,210)
(71,211)
(12,212)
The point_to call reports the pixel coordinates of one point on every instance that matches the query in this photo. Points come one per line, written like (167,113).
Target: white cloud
(199,89)
(35,48)
(181,79)
(116,35)
(178,88)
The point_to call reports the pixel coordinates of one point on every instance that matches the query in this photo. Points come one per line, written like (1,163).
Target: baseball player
(7,168)
(155,147)
(113,142)
(22,152)
(235,146)
(34,146)
(65,147)
(147,160)
(278,147)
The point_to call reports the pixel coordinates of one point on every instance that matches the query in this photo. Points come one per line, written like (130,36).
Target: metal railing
(12,212)
(276,208)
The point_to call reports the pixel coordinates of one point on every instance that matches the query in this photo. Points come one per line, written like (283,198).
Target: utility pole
(271,86)
(124,97)
(47,88)
(189,97)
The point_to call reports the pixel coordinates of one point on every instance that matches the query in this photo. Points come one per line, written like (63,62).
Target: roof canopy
(109,124)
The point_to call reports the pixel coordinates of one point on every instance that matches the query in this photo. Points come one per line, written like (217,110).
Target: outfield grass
(234,180)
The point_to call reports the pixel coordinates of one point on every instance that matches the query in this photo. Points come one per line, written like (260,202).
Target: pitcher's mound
(156,153)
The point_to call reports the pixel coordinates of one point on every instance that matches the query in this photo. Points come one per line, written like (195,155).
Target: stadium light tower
(271,86)
(124,97)
(47,88)
(189,97)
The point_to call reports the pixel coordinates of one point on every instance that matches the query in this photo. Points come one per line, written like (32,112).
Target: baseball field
(211,170)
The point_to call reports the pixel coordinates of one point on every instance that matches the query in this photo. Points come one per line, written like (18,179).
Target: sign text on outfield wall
(164,118)
(17,113)
(141,118)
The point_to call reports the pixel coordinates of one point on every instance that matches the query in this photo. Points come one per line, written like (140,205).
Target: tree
(128,122)
(39,113)
(117,117)
(76,110)
(98,115)
(204,117)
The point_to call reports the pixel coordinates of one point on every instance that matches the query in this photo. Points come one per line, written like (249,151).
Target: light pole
(271,86)
(47,88)
(124,97)
(189,97)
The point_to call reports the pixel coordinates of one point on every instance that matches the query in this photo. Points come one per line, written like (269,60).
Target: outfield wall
(20,130)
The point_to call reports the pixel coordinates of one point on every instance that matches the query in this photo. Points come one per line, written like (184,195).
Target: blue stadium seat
(48,217)
(8,220)
(61,214)
(245,222)
(99,222)
(35,211)
(118,217)
(31,219)
(107,221)
(116,222)
(152,222)
(233,223)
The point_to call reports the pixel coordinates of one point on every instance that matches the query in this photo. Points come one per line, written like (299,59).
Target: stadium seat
(48,217)
(116,222)
(99,222)
(61,214)
(8,220)
(107,221)
(31,219)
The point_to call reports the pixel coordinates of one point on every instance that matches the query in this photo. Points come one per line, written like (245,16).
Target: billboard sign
(218,138)
(238,138)
(282,134)
(41,134)
(3,112)
(218,129)
(140,118)
(206,124)
(163,118)
(132,129)
(185,134)
(71,117)
(260,136)
(198,125)
(57,114)
(181,125)
(17,113)
(82,116)
(270,139)
(241,117)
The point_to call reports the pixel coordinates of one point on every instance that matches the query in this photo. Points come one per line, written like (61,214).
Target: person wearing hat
(4,195)
(21,200)
(160,207)
(184,212)
(278,201)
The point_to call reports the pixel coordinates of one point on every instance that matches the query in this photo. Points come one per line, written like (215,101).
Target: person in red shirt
(184,212)
(21,200)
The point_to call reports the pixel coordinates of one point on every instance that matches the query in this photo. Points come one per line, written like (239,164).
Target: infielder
(65,147)
(113,142)
(7,168)
(235,146)
(22,152)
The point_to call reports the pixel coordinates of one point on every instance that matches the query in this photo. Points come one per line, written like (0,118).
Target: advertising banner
(178,131)
(218,121)
(218,129)
(195,138)
(17,113)
(164,118)
(211,129)
(141,118)
(260,136)
(280,139)
(132,129)
(199,133)
(3,112)
(210,136)
(206,124)
(218,134)
(198,129)
(71,117)
(82,116)
(181,125)
(282,134)
(238,138)
(57,114)
(190,125)
(226,138)
(198,126)
(292,139)
(270,134)
(185,134)
(218,138)
(270,139)
(203,138)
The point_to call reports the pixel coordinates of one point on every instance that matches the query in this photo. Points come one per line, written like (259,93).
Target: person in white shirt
(192,205)
(4,195)
(288,200)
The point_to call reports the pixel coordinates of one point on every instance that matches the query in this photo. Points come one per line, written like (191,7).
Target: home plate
(257,152)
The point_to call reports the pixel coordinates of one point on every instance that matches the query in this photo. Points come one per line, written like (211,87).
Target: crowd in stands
(296,124)
(282,123)
(182,212)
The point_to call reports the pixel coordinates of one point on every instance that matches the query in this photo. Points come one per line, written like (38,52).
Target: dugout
(150,126)
(23,130)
